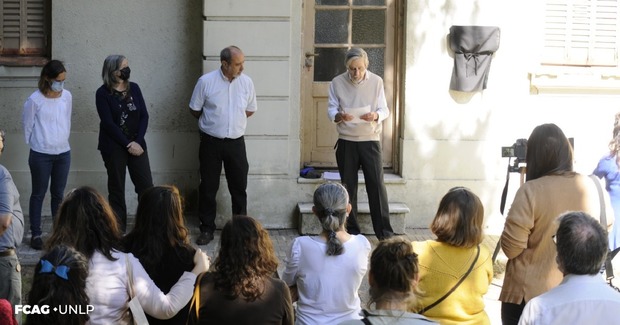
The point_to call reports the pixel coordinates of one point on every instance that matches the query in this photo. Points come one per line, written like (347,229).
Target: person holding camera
(551,188)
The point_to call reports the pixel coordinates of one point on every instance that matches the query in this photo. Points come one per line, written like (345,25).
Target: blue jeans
(44,167)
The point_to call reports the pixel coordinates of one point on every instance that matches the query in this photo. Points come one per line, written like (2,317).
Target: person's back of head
(581,243)
(245,258)
(159,224)
(59,281)
(459,218)
(548,152)
(86,222)
(393,272)
(331,204)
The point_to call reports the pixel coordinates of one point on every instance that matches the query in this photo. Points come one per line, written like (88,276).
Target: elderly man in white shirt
(222,101)
(582,297)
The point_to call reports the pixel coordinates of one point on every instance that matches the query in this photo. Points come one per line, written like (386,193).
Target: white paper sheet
(357,112)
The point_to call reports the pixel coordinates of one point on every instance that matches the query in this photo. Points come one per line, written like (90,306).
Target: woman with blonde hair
(455,270)
(327,270)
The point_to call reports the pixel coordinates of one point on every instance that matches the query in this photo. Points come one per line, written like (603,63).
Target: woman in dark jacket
(124,120)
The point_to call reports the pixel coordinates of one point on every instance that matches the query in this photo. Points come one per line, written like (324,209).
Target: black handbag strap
(438,301)
(609,270)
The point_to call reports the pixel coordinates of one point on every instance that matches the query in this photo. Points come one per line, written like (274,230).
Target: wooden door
(331,28)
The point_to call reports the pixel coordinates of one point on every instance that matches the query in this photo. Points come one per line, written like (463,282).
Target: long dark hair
(245,258)
(86,222)
(50,288)
(548,152)
(159,226)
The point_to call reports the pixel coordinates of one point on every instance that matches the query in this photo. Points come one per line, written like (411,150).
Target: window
(24,32)
(581,33)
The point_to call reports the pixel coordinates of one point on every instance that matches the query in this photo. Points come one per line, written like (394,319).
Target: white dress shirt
(223,104)
(578,299)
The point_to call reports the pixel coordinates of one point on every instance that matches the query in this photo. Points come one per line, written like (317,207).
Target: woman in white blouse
(46,120)
(86,222)
(327,270)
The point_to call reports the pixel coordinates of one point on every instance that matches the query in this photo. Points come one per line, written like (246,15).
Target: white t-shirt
(327,285)
(107,288)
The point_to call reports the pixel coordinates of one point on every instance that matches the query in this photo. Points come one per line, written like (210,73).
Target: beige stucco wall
(447,138)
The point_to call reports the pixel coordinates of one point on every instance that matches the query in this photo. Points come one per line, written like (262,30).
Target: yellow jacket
(441,267)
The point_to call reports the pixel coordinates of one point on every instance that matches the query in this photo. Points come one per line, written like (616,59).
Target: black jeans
(350,155)
(213,153)
(117,163)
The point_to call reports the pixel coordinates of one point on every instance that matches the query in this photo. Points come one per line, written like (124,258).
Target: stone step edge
(309,224)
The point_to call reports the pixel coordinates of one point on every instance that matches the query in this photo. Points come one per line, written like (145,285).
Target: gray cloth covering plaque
(473,48)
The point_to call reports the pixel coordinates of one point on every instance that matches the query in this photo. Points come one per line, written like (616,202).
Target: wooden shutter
(581,32)
(23,27)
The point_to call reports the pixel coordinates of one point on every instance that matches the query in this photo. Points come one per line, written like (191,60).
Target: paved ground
(282,239)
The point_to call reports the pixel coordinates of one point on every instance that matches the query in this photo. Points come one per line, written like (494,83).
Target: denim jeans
(43,168)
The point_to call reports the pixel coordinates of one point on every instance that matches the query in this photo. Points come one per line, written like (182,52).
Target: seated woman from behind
(393,278)
(241,290)
(327,270)
(160,241)
(86,222)
(456,254)
(60,282)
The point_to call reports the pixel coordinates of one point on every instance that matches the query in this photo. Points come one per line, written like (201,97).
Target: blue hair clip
(62,271)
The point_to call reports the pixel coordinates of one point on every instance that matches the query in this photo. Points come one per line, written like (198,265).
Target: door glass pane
(368,2)
(369,26)
(332,2)
(329,63)
(376,56)
(331,26)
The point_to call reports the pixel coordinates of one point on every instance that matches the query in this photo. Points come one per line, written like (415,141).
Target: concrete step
(309,223)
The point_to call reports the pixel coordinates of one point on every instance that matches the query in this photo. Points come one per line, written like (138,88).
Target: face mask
(125,72)
(57,86)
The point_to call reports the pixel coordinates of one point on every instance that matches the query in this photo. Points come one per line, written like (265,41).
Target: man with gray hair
(358,106)
(582,297)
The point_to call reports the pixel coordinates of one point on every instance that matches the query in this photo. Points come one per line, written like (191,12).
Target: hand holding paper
(357,112)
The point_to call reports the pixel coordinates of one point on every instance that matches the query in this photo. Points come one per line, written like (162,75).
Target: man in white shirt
(582,297)
(222,101)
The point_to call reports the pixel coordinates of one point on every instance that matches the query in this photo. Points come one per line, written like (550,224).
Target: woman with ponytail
(326,271)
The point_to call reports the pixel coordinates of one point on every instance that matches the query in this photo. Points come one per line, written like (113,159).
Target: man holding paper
(358,106)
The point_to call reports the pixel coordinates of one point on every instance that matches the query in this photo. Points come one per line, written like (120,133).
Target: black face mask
(125,72)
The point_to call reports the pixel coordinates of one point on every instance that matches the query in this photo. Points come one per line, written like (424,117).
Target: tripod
(516,167)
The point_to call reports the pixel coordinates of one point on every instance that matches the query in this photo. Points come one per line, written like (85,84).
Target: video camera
(518,150)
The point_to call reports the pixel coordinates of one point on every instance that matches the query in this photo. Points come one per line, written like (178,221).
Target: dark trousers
(52,170)
(511,313)
(350,155)
(117,162)
(212,154)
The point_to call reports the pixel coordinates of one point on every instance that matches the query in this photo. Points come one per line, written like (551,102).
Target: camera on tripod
(517,151)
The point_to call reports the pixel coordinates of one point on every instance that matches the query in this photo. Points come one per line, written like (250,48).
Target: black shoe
(204,238)
(36,243)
